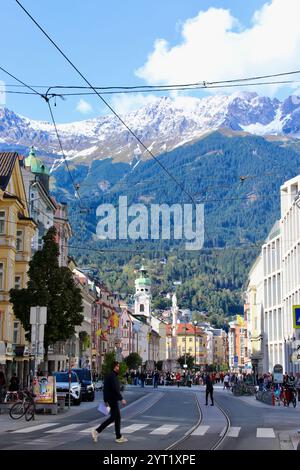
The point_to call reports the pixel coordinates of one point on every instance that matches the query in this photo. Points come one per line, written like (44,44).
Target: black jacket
(209,384)
(111,388)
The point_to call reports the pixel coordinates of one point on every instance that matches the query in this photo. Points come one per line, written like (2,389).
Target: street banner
(45,389)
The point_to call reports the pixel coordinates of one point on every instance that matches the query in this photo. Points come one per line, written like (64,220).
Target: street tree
(186,359)
(109,358)
(51,286)
(133,360)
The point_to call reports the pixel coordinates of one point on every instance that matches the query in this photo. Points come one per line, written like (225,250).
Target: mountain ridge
(162,125)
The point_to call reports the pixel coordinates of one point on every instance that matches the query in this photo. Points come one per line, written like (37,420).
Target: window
(18,282)
(142,308)
(19,243)
(190,340)
(16,332)
(2,222)
(1,275)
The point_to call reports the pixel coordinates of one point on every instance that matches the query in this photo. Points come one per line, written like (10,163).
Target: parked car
(99,385)
(62,386)
(86,382)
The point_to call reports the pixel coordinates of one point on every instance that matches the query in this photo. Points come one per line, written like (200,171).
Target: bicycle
(24,407)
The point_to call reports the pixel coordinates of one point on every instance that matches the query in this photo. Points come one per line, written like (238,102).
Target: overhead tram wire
(108,105)
(203,83)
(157,90)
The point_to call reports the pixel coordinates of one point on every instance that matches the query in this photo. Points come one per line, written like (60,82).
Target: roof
(36,165)
(7,163)
(190,329)
(143,281)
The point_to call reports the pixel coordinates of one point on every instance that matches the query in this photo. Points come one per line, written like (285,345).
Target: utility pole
(38,320)
(185,340)
(69,375)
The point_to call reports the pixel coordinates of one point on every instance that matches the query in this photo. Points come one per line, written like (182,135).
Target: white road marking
(165,429)
(265,432)
(68,427)
(35,428)
(200,431)
(233,432)
(133,427)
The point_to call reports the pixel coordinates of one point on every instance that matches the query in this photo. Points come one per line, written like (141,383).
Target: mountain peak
(162,125)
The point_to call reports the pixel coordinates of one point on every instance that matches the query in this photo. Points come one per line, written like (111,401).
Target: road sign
(278,374)
(296,316)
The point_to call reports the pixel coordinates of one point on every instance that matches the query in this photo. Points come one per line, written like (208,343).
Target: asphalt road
(164,418)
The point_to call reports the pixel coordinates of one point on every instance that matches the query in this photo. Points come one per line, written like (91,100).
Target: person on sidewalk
(209,390)
(178,379)
(298,385)
(2,385)
(111,397)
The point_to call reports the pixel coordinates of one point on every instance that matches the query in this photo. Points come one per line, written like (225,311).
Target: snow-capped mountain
(162,125)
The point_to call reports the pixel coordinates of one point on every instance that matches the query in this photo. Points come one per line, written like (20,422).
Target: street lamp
(195,330)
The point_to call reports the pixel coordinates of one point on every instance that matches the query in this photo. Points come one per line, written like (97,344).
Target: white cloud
(84,107)
(214,46)
(126,103)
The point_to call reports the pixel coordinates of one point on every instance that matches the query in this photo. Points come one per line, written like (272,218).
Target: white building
(281,284)
(290,259)
(272,308)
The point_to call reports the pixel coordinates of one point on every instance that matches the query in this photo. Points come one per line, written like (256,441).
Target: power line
(107,104)
(147,90)
(76,187)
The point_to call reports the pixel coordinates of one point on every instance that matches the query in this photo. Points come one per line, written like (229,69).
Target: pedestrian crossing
(163,430)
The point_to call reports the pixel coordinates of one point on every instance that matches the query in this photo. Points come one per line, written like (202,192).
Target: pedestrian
(155,379)
(14,384)
(209,390)
(226,382)
(2,385)
(111,397)
(298,385)
(178,378)
(143,378)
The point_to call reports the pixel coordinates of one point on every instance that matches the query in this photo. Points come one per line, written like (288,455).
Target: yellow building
(190,340)
(16,232)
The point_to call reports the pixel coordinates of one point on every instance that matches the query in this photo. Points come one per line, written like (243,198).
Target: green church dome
(36,165)
(143,280)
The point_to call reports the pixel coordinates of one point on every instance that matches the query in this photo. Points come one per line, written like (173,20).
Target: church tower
(142,297)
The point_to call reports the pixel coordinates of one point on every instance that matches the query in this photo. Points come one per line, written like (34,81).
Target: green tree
(189,360)
(109,358)
(51,286)
(133,361)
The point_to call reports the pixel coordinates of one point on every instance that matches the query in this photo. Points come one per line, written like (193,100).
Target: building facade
(16,232)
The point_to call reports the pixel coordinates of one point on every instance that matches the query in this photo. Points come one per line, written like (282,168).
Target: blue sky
(111,40)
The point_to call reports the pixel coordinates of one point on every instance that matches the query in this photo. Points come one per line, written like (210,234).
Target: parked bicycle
(24,407)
